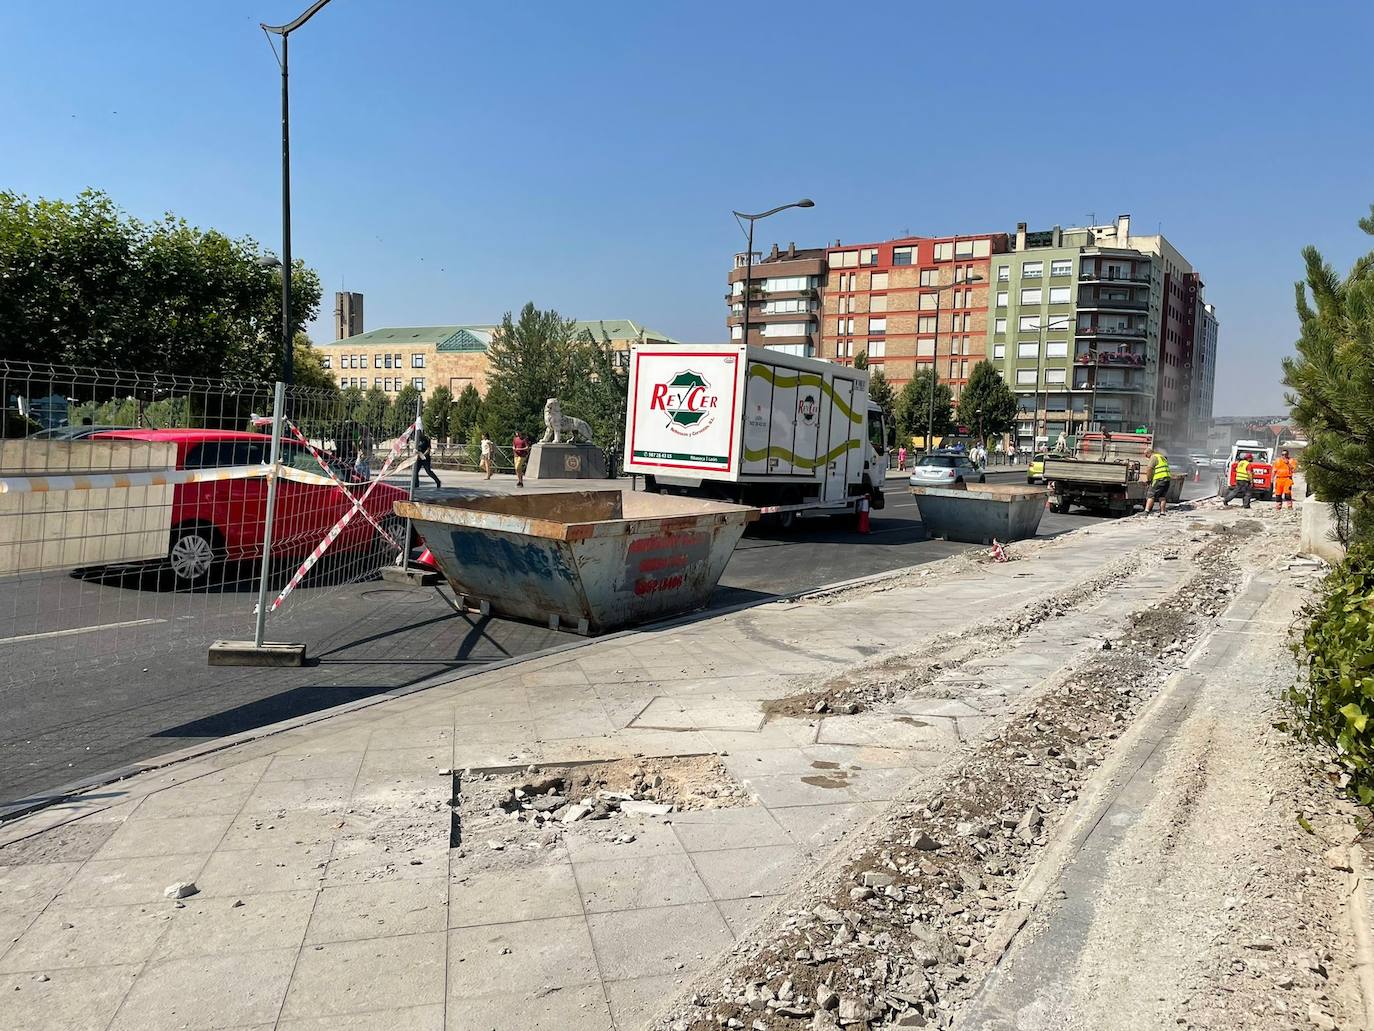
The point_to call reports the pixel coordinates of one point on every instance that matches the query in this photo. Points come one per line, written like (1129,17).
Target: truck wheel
(787,520)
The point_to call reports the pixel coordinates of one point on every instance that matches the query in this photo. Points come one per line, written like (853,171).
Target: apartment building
(426,357)
(1204,372)
(1094,327)
(784,303)
(910,303)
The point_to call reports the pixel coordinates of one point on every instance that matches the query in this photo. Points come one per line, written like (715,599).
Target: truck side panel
(683,413)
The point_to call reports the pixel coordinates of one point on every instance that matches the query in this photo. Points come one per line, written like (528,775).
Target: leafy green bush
(1335,697)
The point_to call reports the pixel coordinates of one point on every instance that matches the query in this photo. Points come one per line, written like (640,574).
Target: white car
(943,469)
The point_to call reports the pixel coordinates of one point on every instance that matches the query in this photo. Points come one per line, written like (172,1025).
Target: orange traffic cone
(863,515)
(1197,474)
(426,559)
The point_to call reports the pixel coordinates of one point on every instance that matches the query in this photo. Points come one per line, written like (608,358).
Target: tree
(531,360)
(912,410)
(880,391)
(439,413)
(372,412)
(467,414)
(988,393)
(1332,381)
(861,360)
(402,412)
(86,284)
(599,395)
(308,367)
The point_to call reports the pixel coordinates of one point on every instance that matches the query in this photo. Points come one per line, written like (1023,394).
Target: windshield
(936,461)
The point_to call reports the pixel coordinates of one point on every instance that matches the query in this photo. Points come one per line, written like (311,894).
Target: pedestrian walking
(487,454)
(1242,487)
(1159,482)
(521,449)
(423,446)
(901,457)
(361,467)
(1284,468)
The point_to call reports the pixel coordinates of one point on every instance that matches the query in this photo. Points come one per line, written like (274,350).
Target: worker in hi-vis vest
(1241,488)
(1159,482)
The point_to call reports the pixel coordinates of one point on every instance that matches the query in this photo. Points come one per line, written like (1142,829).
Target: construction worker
(1241,488)
(1284,468)
(1159,482)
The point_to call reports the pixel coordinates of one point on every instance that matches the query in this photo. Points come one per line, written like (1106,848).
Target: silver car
(944,469)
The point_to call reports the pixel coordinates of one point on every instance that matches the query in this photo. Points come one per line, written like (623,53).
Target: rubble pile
(500,806)
(901,934)
(852,692)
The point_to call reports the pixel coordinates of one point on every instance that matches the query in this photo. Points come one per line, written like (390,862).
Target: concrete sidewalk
(328,893)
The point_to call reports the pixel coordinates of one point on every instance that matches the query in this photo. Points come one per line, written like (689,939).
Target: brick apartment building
(1092,327)
(784,311)
(908,303)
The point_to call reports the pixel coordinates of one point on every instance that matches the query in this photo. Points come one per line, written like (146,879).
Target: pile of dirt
(542,803)
(902,932)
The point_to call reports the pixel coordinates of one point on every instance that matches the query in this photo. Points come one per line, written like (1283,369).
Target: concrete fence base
(1318,533)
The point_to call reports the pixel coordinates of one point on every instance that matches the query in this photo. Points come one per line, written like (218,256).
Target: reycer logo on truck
(688,402)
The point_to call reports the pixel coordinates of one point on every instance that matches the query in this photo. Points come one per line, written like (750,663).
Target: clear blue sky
(454,160)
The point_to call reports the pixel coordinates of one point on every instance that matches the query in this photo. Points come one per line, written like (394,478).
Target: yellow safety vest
(1161,469)
(1242,471)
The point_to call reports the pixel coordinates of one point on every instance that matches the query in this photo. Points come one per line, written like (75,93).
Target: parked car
(73,432)
(219,521)
(943,468)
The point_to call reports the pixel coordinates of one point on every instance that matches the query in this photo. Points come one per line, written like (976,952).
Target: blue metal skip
(981,513)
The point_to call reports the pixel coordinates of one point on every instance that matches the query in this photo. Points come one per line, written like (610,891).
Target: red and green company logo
(687,400)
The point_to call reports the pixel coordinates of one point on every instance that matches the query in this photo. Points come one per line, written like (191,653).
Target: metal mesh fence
(140,511)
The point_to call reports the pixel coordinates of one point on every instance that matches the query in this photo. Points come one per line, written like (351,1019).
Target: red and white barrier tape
(324,464)
(338,527)
(28,484)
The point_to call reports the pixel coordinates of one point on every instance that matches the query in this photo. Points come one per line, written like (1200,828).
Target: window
(929,302)
(958,273)
(868,256)
(930,277)
(1031,350)
(925,348)
(1030,295)
(387,362)
(781,284)
(1025,376)
(1061,267)
(877,348)
(418,383)
(901,255)
(844,304)
(1001,298)
(397,364)
(963,249)
(377,382)
(925,324)
(879,281)
(1029,323)
(1054,375)
(326,360)
(1003,273)
(789,306)
(736,332)
(786,329)
(877,327)
(219,454)
(944,251)
(1032,270)
(417,361)
(999,326)
(999,352)
(1056,349)
(1057,323)
(1059,295)
(878,302)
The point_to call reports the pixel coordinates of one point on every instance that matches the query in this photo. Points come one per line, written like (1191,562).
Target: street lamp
(284,31)
(935,351)
(805,202)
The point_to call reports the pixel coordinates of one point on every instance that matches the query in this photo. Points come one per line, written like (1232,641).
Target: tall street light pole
(284,31)
(805,202)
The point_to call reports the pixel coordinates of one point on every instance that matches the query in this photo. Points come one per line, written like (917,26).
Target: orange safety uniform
(1284,468)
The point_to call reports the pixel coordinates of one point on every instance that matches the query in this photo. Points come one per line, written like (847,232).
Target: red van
(223,520)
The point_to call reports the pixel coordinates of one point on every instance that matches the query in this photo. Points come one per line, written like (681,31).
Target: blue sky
(454,160)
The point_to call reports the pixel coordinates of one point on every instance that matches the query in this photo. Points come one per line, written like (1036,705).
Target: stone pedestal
(566,462)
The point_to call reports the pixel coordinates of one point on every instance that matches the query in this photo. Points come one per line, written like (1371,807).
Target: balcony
(1126,332)
(1111,304)
(1134,279)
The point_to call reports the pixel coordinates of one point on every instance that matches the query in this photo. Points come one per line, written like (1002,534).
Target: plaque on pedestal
(566,462)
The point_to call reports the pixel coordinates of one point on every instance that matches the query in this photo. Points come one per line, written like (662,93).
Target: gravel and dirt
(1226,902)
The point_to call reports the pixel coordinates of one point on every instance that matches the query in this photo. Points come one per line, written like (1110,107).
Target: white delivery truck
(755,426)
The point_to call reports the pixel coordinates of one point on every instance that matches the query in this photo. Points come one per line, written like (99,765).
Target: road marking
(78,630)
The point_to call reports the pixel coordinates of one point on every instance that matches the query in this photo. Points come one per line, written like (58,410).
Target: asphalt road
(79,701)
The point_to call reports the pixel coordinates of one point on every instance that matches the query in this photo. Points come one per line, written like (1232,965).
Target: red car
(223,520)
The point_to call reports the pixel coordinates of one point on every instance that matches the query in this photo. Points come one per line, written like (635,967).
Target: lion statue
(556,424)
